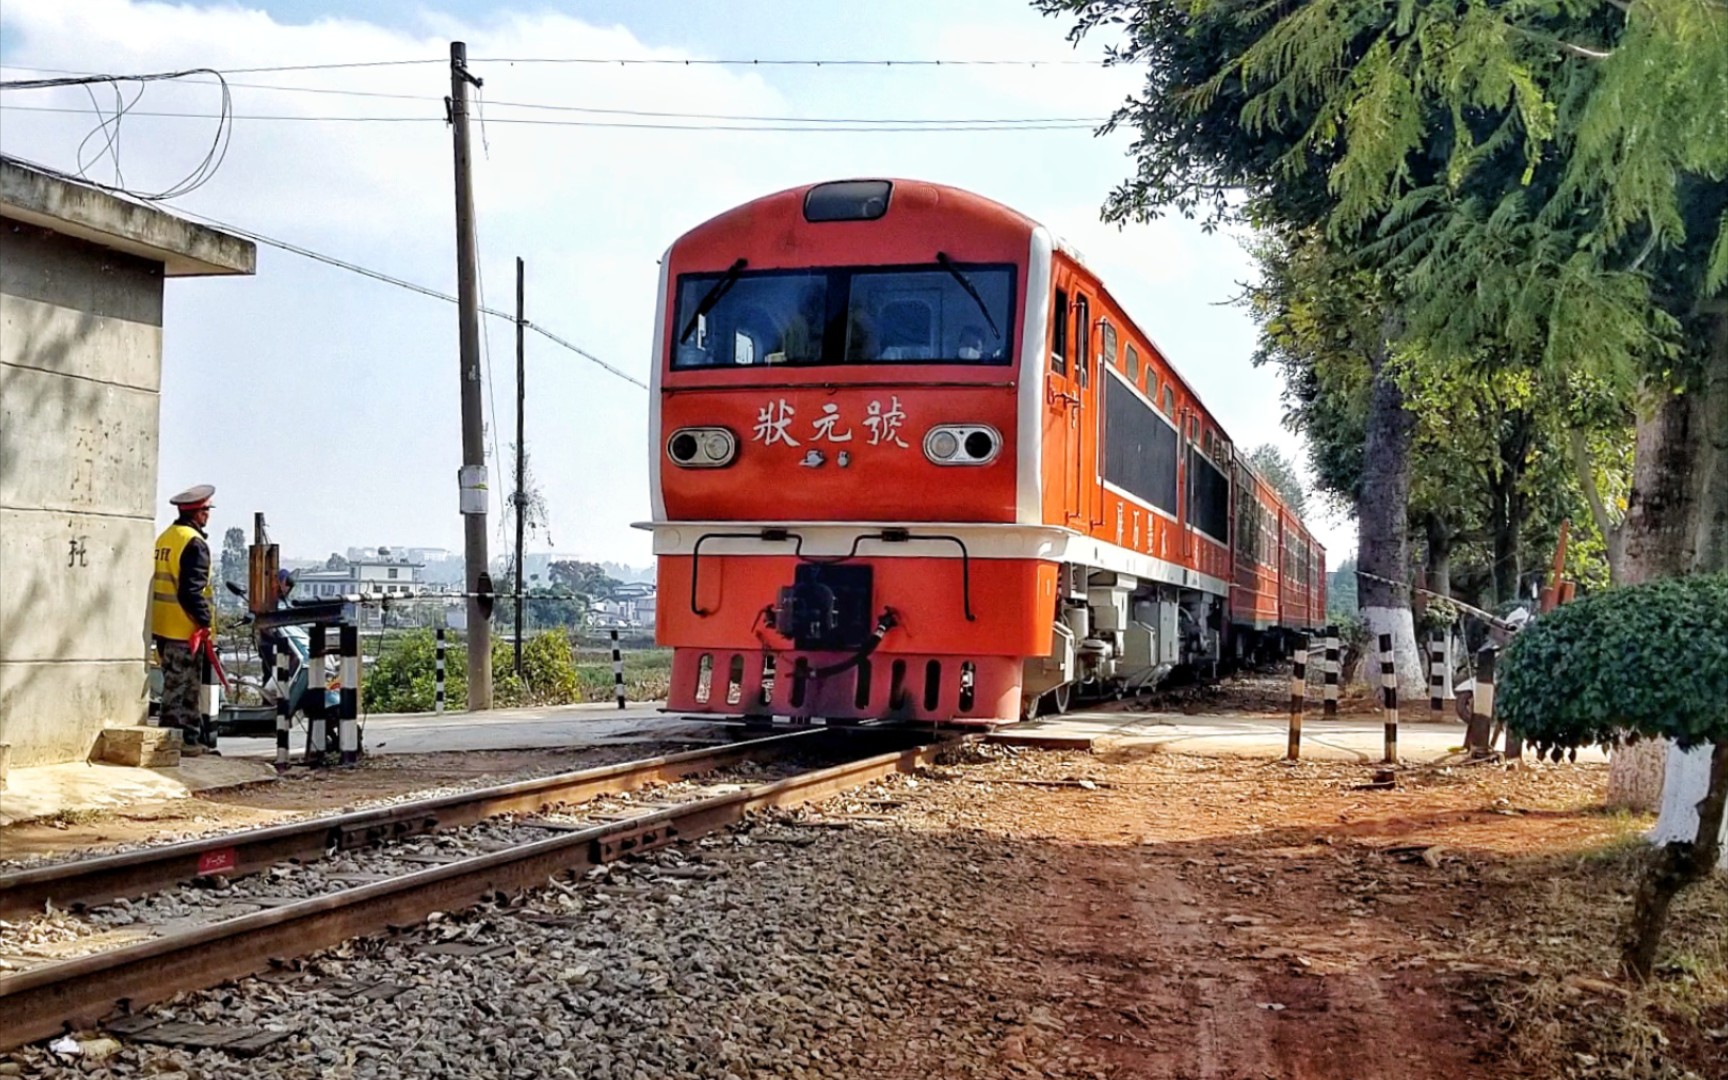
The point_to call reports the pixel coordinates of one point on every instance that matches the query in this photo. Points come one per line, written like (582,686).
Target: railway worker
(181,617)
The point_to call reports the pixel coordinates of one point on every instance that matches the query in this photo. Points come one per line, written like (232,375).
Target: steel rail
(78,993)
(89,882)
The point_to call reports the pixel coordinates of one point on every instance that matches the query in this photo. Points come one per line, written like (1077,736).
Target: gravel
(823,942)
(60,935)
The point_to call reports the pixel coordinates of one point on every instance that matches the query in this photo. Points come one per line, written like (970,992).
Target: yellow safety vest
(167,618)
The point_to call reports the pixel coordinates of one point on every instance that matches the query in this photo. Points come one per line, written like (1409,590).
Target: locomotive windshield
(943,313)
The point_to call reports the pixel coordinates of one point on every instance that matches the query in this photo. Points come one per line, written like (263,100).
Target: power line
(664,61)
(402,283)
(597,110)
(857,127)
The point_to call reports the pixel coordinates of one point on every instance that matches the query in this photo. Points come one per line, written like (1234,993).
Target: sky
(329,401)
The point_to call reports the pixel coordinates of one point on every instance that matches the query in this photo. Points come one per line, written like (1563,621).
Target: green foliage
(1280,472)
(1341,592)
(403,677)
(548,671)
(1646,661)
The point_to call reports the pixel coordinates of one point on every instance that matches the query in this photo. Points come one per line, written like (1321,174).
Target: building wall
(80,367)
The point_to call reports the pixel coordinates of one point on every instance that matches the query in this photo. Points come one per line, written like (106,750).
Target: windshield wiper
(966,283)
(713,296)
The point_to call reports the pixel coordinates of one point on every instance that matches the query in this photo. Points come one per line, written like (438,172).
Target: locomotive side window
(1059,346)
(1133,365)
(1108,333)
(1208,497)
(1169,400)
(949,313)
(1139,447)
(1082,339)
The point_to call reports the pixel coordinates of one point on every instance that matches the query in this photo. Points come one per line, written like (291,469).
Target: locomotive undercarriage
(1115,634)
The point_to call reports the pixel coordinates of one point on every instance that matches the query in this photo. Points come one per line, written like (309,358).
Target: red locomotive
(911,460)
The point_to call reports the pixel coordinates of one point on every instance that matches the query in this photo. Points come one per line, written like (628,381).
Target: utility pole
(472,480)
(521,460)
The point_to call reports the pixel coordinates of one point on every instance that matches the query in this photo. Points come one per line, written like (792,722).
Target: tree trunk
(1687,775)
(1675,865)
(1439,566)
(1661,526)
(1382,515)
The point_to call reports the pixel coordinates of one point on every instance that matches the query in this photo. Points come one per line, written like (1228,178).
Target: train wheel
(1055,702)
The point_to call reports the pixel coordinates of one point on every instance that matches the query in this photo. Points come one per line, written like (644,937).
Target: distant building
(383,574)
(82,274)
(630,608)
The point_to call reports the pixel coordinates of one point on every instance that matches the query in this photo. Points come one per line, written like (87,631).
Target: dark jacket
(195,577)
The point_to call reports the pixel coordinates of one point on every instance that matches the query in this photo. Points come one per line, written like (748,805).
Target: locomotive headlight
(962,444)
(702,447)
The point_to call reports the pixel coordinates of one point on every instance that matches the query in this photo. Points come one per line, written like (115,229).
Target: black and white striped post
(209,699)
(316,722)
(1330,708)
(1298,698)
(1389,694)
(617,671)
(1437,675)
(284,705)
(1480,738)
(349,716)
(438,683)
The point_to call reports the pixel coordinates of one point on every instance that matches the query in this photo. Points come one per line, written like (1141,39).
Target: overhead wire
(858,127)
(389,279)
(200,174)
(669,61)
(653,113)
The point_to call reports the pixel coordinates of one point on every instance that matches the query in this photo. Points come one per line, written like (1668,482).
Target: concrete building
(381,573)
(81,284)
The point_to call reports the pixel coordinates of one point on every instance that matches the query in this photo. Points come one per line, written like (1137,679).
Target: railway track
(69,994)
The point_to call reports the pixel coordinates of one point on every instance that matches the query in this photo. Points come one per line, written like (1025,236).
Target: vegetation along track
(47,1000)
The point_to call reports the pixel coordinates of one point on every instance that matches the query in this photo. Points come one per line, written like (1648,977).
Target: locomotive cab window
(947,313)
(1059,343)
(1082,339)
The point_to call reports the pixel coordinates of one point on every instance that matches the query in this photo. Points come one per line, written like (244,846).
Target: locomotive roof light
(962,444)
(847,200)
(702,447)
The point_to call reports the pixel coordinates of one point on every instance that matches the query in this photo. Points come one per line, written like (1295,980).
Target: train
(912,461)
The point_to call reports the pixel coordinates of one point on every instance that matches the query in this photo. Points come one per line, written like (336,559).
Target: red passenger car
(911,460)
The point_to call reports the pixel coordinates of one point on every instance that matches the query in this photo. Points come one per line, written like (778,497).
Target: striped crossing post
(316,723)
(617,670)
(1480,737)
(1437,675)
(209,699)
(438,684)
(1298,699)
(1330,708)
(284,705)
(1389,694)
(349,722)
